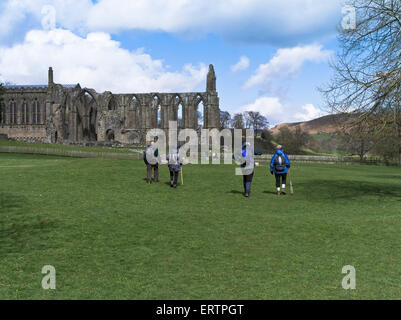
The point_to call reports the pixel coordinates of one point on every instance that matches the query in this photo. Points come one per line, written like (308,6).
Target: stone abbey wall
(23,113)
(58,113)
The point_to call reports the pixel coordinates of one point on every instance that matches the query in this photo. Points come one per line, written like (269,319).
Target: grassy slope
(110,235)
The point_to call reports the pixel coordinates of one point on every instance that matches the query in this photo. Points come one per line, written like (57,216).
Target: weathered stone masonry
(56,113)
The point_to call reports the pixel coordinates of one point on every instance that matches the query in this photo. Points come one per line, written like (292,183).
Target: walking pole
(291,188)
(182,176)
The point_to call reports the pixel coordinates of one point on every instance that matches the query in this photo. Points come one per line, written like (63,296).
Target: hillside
(327,124)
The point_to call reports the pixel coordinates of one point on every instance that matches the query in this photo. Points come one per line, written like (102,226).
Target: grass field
(111,236)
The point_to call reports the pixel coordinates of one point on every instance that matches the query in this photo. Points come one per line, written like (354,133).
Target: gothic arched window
(3,112)
(37,112)
(23,112)
(26,113)
(13,113)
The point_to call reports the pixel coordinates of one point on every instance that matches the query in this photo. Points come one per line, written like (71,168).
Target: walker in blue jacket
(279,165)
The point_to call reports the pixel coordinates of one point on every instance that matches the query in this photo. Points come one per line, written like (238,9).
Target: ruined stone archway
(86,109)
(156,111)
(199,111)
(81,114)
(110,136)
(179,113)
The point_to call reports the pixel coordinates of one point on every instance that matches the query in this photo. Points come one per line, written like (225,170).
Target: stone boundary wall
(21,132)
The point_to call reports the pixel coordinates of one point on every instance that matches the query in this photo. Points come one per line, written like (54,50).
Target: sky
(269,55)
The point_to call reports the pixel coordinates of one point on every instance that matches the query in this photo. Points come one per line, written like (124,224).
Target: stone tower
(212,110)
(50,77)
(211,80)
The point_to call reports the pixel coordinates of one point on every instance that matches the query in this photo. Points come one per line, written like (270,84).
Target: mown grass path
(111,236)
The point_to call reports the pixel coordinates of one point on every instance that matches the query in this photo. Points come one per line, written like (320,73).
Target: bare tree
(367,69)
(255,120)
(359,140)
(237,121)
(247,120)
(225,119)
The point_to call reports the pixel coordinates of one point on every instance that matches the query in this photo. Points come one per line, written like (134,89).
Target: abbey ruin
(56,113)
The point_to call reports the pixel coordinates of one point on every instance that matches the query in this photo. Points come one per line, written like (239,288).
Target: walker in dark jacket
(247,168)
(279,165)
(150,150)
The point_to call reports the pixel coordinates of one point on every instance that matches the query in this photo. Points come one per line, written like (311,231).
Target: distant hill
(326,124)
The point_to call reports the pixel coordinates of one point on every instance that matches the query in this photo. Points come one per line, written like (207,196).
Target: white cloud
(310,112)
(286,63)
(94,61)
(241,65)
(274,21)
(263,18)
(17,14)
(267,106)
(278,112)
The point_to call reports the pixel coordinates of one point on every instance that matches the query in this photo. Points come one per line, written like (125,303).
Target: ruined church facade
(56,113)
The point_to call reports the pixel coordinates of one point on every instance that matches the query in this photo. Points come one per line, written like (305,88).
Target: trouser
(149,172)
(280,177)
(174,177)
(248,182)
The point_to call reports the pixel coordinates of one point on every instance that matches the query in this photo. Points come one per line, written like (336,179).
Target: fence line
(138,155)
(69,153)
(326,159)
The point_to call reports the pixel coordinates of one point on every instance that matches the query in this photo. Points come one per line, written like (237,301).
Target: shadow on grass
(347,189)
(236,192)
(384,177)
(153,180)
(21,230)
(270,192)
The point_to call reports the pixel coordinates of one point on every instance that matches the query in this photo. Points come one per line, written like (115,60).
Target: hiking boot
(283,192)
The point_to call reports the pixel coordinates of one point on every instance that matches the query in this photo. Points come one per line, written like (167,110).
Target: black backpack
(144,158)
(280,163)
(148,153)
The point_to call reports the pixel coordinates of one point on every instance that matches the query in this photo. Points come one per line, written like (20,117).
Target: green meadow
(110,235)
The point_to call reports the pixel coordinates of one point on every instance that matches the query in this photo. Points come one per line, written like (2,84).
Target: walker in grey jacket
(174,165)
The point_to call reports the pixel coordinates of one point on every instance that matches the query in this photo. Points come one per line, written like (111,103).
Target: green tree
(266,140)
(292,141)
(267,135)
